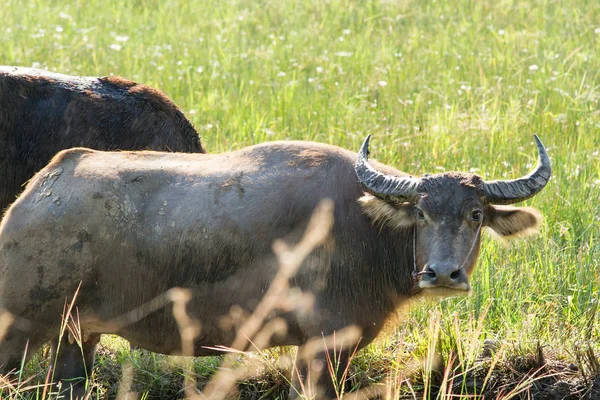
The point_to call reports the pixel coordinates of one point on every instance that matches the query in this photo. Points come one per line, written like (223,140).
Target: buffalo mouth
(430,289)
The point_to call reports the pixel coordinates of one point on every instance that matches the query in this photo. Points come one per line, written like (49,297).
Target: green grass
(442,85)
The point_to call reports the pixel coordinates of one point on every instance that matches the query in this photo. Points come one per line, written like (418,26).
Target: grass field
(441,85)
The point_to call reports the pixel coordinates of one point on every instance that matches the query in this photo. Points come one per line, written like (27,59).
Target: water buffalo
(128,226)
(42,113)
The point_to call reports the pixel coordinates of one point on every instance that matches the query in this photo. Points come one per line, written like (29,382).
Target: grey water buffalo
(128,226)
(42,113)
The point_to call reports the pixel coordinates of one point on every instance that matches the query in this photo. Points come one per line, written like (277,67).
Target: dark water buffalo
(42,113)
(129,226)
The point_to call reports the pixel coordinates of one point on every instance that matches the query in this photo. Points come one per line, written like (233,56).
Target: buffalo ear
(511,222)
(380,212)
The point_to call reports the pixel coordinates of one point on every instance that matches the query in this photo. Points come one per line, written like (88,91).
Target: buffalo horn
(515,190)
(382,185)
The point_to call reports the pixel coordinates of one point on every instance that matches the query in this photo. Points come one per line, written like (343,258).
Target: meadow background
(441,85)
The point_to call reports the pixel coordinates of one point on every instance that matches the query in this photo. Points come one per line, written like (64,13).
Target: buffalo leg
(73,364)
(313,378)
(17,346)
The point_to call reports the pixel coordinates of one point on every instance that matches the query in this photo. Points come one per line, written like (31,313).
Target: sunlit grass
(444,85)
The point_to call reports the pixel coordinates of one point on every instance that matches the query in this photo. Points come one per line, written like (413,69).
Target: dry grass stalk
(125,384)
(290,259)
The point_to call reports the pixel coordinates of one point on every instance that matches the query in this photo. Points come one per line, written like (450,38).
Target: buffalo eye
(476,215)
(420,214)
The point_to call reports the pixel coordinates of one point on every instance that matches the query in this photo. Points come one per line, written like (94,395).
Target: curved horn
(515,190)
(382,185)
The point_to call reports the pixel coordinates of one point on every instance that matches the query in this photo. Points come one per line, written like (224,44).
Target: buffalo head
(445,213)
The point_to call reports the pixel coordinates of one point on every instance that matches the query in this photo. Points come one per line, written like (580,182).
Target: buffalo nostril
(443,274)
(430,273)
